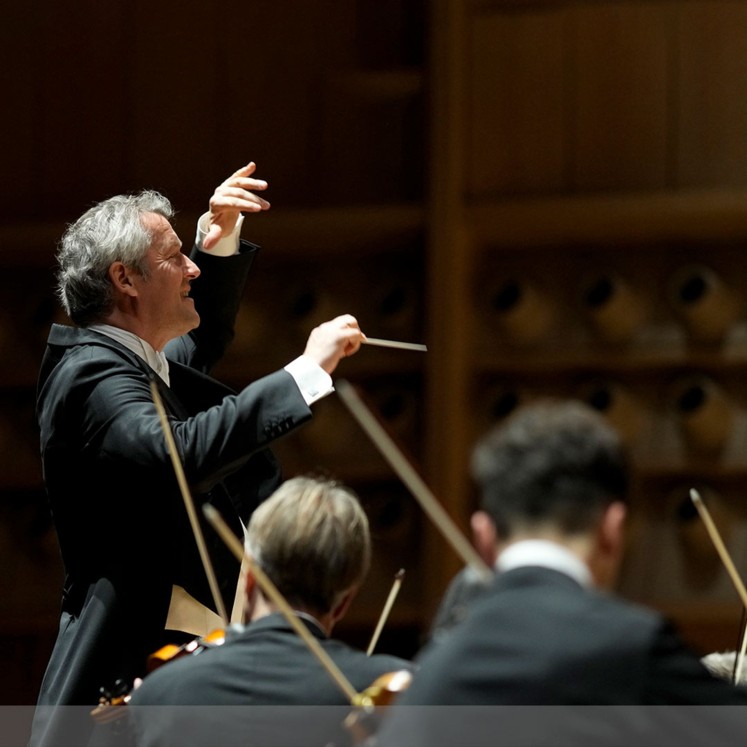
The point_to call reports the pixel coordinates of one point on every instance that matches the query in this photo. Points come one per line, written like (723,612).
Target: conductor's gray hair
(111,231)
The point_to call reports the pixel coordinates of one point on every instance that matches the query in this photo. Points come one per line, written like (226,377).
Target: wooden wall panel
(517,102)
(381,108)
(18,58)
(63,107)
(272,72)
(621,77)
(712,94)
(173,102)
(637,178)
(81,105)
(113,97)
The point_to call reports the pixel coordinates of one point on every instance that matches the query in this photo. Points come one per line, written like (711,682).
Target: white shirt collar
(156,360)
(547,555)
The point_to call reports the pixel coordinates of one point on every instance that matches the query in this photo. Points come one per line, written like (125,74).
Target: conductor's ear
(120,276)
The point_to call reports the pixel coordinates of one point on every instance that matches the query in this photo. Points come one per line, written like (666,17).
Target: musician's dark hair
(552,463)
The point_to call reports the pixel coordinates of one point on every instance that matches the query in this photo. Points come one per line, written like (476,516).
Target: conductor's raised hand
(333,340)
(234,196)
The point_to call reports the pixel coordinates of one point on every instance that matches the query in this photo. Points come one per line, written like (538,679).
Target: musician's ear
(484,537)
(612,527)
(250,583)
(250,588)
(606,555)
(339,610)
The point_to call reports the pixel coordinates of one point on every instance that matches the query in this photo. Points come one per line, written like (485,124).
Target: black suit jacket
(123,530)
(537,638)
(261,668)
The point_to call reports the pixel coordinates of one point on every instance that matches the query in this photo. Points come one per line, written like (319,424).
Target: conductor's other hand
(232,197)
(333,340)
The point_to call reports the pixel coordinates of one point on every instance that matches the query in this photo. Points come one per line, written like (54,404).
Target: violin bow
(391,452)
(188,502)
(396,585)
(718,543)
(271,591)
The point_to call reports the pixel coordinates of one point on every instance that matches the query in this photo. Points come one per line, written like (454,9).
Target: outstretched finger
(229,197)
(244,171)
(244,182)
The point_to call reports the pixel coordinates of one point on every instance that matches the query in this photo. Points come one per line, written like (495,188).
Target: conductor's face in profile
(159,296)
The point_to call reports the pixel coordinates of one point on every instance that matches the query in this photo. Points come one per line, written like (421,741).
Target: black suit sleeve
(676,676)
(217,295)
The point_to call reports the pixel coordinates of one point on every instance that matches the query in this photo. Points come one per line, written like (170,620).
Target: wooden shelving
(569,164)
(608,219)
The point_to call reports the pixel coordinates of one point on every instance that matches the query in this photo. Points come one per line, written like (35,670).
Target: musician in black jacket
(311,538)
(548,632)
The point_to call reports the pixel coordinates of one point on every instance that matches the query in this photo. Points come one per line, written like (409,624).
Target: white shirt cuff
(313,381)
(227,246)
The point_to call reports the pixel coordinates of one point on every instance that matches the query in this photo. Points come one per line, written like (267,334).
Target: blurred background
(551,195)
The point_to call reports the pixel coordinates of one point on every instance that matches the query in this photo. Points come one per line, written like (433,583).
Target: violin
(171,651)
(120,694)
(364,721)
(385,689)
